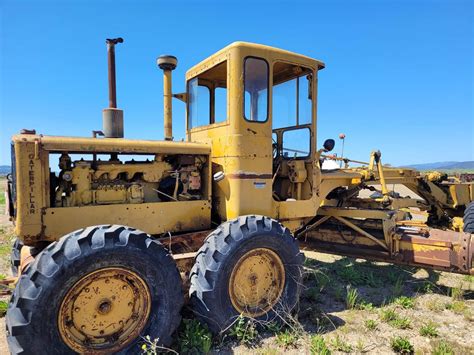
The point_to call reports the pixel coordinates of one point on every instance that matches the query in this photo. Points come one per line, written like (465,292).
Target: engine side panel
(153,218)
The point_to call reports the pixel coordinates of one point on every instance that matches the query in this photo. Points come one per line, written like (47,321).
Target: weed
(338,293)
(456,293)
(400,323)
(350,274)
(360,346)
(365,306)
(370,324)
(322,322)
(273,327)
(405,302)
(458,307)
(371,280)
(318,346)
(391,317)
(194,337)
(401,345)
(429,329)
(351,297)
(388,315)
(3,308)
(435,305)
(287,339)
(392,276)
(442,348)
(321,280)
(312,294)
(244,330)
(469,278)
(426,287)
(397,288)
(340,345)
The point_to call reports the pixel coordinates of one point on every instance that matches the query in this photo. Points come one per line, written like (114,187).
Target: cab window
(207,97)
(292,101)
(255,89)
(292,107)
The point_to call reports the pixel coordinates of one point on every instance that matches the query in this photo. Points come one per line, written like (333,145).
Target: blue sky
(398,77)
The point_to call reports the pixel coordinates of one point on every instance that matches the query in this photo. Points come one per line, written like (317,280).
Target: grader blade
(422,247)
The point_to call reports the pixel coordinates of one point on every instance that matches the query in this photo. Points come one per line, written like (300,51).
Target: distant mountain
(445,165)
(5,169)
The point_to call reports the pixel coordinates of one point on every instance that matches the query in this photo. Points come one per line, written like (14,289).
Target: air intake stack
(167,63)
(112,117)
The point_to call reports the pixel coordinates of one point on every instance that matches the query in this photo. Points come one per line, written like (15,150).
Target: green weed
(405,302)
(351,297)
(370,324)
(340,345)
(400,323)
(429,329)
(194,337)
(456,293)
(458,307)
(3,308)
(365,306)
(287,339)
(442,348)
(244,330)
(401,345)
(388,315)
(318,346)
(313,294)
(397,288)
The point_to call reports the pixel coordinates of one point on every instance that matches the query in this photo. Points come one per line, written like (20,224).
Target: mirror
(329,144)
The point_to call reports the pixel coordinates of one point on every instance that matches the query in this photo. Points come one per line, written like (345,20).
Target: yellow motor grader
(110,228)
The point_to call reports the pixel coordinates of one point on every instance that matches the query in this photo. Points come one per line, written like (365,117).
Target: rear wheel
(15,256)
(469,218)
(249,266)
(97,290)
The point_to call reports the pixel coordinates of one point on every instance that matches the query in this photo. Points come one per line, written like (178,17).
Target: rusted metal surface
(447,249)
(104,311)
(423,247)
(185,243)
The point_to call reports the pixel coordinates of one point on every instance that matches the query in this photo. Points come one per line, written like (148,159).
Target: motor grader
(109,229)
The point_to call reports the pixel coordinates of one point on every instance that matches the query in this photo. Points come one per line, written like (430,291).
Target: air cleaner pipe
(167,63)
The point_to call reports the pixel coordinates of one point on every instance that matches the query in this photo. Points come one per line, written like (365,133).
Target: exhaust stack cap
(167,62)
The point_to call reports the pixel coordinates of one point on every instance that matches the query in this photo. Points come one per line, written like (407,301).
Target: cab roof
(255,49)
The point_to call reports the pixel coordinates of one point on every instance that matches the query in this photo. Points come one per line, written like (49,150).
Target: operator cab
(256,106)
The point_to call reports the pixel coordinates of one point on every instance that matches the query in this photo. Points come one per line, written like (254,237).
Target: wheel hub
(104,311)
(256,282)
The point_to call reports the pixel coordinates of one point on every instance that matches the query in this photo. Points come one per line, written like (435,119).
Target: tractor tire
(15,256)
(469,218)
(249,266)
(96,290)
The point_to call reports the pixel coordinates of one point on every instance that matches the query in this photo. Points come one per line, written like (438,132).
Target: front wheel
(97,290)
(469,218)
(250,266)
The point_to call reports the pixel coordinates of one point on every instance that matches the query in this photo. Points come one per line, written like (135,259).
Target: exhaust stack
(112,117)
(167,63)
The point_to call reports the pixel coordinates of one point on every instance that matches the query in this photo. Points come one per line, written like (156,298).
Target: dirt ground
(390,301)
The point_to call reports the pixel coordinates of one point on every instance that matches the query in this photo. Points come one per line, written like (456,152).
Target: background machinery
(108,228)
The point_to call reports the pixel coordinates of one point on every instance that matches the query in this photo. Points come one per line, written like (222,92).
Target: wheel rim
(257,282)
(104,311)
